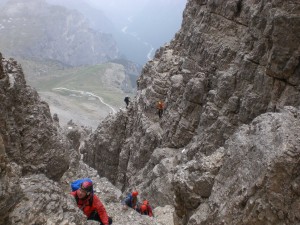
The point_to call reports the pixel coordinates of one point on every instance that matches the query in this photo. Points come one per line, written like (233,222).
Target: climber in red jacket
(90,204)
(145,209)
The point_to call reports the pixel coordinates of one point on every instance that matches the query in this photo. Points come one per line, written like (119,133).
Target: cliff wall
(230,82)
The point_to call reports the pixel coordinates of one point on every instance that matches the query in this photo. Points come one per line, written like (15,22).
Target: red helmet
(145,202)
(87,186)
(134,193)
(143,208)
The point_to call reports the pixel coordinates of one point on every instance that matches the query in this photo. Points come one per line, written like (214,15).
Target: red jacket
(97,205)
(146,209)
(149,209)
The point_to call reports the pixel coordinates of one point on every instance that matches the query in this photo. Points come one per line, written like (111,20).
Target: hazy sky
(118,10)
(131,6)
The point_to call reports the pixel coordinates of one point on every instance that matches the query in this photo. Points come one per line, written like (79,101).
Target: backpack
(128,200)
(75,185)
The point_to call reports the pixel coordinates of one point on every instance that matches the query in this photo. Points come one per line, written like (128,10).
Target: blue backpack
(75,185)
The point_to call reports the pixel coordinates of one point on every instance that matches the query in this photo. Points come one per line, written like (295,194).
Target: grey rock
(255,183)
(44,202)
(227,65)
(26,127)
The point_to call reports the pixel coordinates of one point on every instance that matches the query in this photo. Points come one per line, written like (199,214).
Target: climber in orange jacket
(160,107)
(90,204)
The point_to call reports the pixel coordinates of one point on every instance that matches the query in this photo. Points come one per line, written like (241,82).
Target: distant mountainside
(97,19)
(35,29)
(139,27)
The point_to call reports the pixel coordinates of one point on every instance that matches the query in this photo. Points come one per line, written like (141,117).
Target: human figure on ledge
(130,200)
(90,204)
(160,108)
(127,100)
(145,208)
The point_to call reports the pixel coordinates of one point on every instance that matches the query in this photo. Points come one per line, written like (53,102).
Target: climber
(90,204)
(127,100)
(145,209)
(160,107)
(130,200)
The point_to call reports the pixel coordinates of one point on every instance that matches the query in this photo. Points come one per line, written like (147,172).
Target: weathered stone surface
(230,62)
(116,165)
(28,142)
(255,183)
(193,182)
(10,191)
(166,215)
(76,134)
(44,202)
(159,173)
(1,68)
(26,127)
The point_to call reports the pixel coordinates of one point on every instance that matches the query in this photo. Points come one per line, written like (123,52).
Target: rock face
(259,179)
(25,127)
(39,159)
(44,204)
(228,145)
(29,142)
(52,32)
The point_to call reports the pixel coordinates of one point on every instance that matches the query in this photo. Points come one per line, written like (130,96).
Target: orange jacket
(97,206)
(160,105)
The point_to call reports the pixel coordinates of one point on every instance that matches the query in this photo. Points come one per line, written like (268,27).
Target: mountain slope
(34,29)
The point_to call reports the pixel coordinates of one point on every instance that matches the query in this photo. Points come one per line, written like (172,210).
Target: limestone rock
(255,183)
(44,202)
(231,62)
(27,128)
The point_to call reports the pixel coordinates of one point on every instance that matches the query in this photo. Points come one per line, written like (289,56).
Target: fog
(139,26)
(120,10)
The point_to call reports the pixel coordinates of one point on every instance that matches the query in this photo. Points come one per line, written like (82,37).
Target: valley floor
(82,110)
